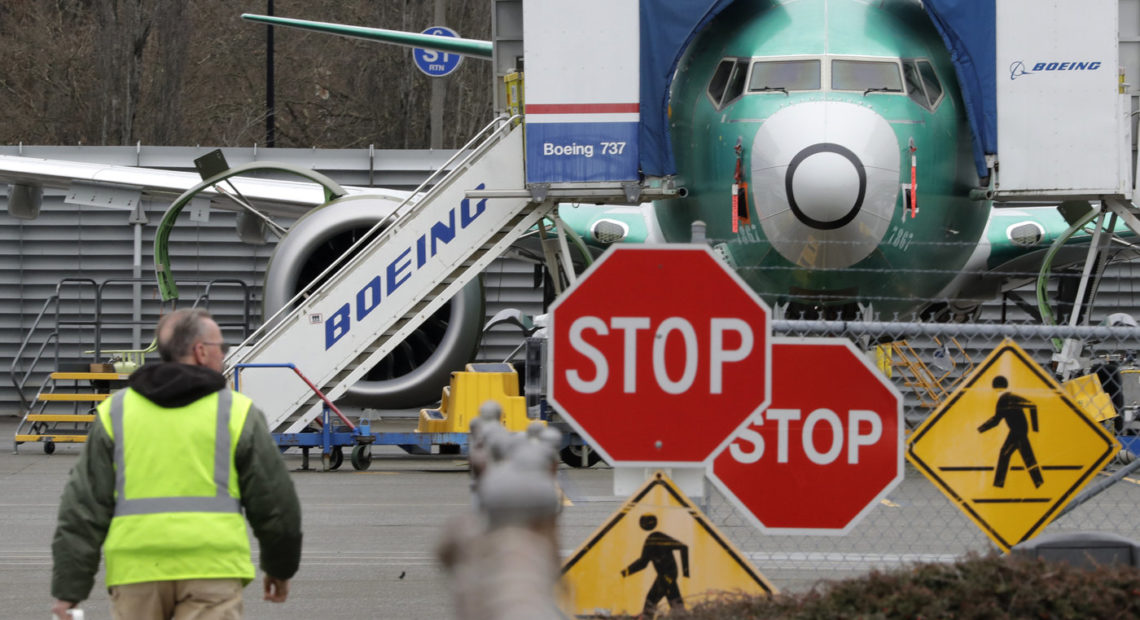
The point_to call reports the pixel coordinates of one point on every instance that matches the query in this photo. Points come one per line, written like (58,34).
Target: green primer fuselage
(913,258)
(824,144)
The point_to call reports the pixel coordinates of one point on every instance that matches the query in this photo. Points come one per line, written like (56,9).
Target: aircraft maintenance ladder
(931,385)
(38,425)
(416,260)
(71,320)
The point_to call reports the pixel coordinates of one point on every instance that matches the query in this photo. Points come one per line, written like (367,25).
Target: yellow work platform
(87,389)
(469,389)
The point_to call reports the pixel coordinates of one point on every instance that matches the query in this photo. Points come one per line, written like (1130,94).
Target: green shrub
(991,586)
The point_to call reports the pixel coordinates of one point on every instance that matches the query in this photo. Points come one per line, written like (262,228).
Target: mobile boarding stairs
(402,271)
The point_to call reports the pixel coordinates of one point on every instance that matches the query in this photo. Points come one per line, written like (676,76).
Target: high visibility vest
(177,504)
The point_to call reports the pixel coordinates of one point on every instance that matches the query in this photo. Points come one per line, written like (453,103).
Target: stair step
(56,438)
(95,376)
(61,417)
(74,398)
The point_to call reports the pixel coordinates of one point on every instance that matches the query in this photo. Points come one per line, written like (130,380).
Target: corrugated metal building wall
(99,245)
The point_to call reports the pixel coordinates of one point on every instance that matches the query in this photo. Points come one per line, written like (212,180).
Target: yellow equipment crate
(1088,393)
(471,388)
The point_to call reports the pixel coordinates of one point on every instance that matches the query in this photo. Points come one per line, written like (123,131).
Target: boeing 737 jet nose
(826,180)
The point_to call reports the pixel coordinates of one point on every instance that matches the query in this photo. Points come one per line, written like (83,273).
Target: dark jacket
(267,495)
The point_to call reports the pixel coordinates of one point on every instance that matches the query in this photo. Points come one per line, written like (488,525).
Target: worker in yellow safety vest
(171,463)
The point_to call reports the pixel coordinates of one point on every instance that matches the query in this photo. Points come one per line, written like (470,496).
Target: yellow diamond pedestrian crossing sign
(657,552)
(1009,447)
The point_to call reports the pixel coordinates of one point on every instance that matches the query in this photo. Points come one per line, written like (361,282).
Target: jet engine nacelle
(415,372)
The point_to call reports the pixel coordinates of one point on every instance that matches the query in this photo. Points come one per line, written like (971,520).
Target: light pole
(270,128)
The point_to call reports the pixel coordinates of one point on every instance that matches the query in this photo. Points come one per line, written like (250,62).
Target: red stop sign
(658,354)
(827,448)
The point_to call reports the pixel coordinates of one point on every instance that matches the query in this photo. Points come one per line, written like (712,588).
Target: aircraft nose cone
(825,185)
(825,182)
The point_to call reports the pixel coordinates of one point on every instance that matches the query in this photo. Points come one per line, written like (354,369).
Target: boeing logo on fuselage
(1017,68)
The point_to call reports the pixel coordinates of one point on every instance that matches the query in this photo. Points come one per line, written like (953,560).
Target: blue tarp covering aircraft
(668,26)
(969,29)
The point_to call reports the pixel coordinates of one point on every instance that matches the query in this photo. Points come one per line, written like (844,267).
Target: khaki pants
(190,599)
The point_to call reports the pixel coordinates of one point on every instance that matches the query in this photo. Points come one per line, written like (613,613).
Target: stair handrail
(474,148)
(53,336)
(25,403)
(96,323)
(312,386)
(204,296)
(247,300)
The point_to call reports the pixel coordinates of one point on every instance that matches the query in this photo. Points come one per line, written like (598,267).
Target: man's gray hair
(178,331)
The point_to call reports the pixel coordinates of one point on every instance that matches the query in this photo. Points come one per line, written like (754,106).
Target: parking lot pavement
(370,536)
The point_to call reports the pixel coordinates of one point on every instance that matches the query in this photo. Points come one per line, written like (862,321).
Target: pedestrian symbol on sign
(659,550)
(1011,408)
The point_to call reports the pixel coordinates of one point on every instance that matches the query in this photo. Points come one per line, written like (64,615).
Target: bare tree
(122,28)
(45,83)
(172,32)
(192,72)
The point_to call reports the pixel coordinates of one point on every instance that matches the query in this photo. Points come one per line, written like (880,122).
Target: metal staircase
(66,361)
(70,425)
(394,278)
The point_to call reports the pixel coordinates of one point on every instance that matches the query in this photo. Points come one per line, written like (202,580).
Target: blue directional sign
(433,62)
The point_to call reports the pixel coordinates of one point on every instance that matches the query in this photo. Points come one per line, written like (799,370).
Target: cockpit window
(930,80)
(720,80)
(914,88)
(784,75)
(727,82)
(865,75)
(736,82)
(922,83)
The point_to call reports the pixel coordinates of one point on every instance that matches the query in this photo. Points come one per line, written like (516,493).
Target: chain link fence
(917,522)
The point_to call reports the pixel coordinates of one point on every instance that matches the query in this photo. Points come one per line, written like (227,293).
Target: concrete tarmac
(370,536)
